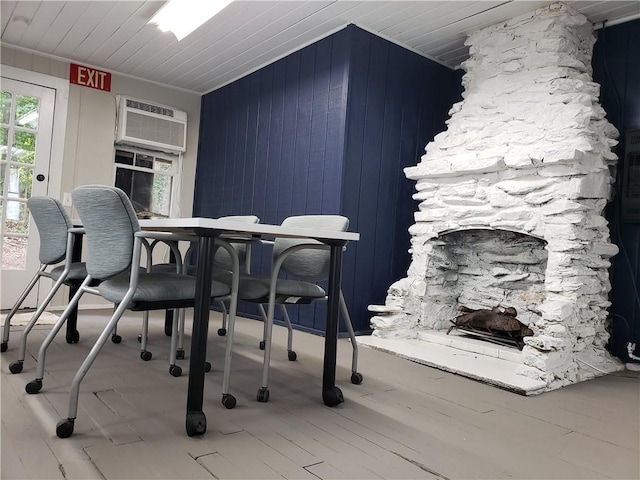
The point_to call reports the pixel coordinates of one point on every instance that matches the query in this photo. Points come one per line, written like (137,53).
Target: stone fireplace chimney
(511,201)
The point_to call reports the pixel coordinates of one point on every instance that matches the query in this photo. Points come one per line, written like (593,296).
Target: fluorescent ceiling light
(181,17)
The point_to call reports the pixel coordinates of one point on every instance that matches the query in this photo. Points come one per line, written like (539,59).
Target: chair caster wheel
(228,400)
(139,338)
(15,367)
(116,338)
(64,428)
(332,397)
(207,367)
(4,346)
(262,344)
(196,423)
(175,370)
(146,356)
(222,332)
(180,354)
(263,395)
(73,337)
(33,387)
(356,378)
(293,356)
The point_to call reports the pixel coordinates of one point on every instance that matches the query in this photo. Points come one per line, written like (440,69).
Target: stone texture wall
(528,150)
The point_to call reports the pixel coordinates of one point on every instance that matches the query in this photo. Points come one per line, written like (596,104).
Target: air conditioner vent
(146,125)
(147,107)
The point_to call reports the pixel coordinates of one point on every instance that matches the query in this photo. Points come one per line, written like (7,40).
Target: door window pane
(14,253)
(17,218)
(27,111)
(4,142)
(5,107)
(20,182)
(24,147)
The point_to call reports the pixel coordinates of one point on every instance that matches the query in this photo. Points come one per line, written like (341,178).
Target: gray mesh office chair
(56,244)
(308,262)
(222,261)
(114,245)
(223,265)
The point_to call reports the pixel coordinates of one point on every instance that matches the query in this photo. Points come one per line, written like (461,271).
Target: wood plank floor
(404,421)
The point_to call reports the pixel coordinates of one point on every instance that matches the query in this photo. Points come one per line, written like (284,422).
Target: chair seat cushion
(157,288)
(256,289)
(78,271)
(171,268)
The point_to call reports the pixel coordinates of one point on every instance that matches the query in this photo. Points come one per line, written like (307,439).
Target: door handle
(40,177)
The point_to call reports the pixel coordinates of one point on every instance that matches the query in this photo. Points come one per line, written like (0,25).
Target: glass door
(26,123)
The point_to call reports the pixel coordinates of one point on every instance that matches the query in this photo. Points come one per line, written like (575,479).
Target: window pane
(24,147)
(145,161)
(14,253)
(27,111)
(161,198)
(17,220)
(149,192)
(5,107)
(125,158)
(163,165)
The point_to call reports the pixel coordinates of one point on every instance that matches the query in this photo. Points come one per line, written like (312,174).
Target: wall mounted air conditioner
(147,125)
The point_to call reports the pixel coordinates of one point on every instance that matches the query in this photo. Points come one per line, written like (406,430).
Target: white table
(207,230)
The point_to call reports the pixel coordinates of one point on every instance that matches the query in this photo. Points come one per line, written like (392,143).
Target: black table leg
(332,395)
(196,421)
(73,336)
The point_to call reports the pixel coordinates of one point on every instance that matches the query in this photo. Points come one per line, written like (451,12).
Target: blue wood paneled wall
(327,130)
(617,69)
(398,101)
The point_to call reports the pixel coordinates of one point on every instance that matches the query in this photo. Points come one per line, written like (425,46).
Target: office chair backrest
(52,222)
(110,222)
(222,258)
(310,265)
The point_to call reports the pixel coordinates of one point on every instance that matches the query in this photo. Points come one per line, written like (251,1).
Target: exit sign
(90,77)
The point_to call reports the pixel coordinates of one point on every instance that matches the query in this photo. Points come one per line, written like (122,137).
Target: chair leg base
(16,367)
(175,370)
(228,400)
(4,346)
(33,387)
(64,428)
(263,395)
(356,378)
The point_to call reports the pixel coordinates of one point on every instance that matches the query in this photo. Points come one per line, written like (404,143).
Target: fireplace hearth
(511,209)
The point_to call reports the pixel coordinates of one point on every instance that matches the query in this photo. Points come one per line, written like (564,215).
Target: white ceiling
(114,35)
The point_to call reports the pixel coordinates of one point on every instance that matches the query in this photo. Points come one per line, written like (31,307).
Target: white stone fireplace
(511,212)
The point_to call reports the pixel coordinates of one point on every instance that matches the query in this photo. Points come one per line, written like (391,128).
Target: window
(148,179)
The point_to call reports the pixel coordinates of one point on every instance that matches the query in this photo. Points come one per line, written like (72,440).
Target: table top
(243,229)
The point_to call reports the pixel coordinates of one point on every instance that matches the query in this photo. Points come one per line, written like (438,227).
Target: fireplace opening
(494,273)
